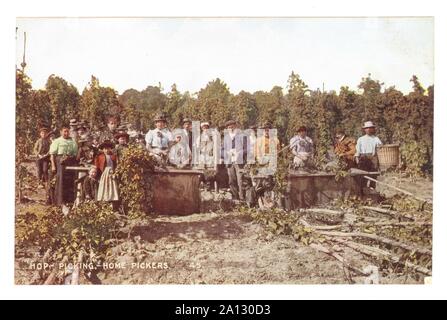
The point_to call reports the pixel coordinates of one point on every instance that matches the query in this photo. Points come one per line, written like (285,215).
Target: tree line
(406,119)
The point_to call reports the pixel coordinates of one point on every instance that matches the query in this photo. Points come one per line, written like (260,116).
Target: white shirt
(301,145)
(367,145)
(159,138)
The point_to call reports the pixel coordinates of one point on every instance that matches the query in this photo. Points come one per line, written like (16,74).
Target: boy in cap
(123,141)
(90,185)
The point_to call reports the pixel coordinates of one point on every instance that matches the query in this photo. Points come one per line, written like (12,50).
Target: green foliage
(24,118)
(135,183)
(282,171)
(64,101)
(280,222)
(90,228)
(415,155)
(212,103)
(405,119)
(98,102)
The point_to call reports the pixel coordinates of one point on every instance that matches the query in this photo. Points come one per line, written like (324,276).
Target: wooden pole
(398,189)
(377,238)
(378,253)
(389,212)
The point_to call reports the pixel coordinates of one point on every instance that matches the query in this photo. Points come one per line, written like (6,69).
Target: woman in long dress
(106,162)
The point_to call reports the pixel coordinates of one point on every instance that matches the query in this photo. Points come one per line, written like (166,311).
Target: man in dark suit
(234,154)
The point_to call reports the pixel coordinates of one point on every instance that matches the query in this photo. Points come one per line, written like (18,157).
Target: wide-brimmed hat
(106,144)
(369,124)
(43,129)
(73,122)
(203,124)
(230,123)
(187,120)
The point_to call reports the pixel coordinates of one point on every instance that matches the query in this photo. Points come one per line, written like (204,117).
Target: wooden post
(398,189)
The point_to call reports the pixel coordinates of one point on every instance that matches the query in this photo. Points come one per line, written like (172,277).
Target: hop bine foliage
(405,119)
(90,228)
(135,180)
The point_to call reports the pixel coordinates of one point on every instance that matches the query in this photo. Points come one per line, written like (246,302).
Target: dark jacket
(90,190)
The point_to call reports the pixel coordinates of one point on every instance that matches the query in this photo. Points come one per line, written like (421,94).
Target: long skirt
(108,187)
(65,180)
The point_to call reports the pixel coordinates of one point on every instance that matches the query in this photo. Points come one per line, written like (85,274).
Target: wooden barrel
(388,156)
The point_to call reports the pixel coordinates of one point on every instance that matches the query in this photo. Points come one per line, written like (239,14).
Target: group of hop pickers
(99,151)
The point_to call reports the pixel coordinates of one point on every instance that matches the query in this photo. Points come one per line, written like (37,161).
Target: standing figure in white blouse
(160,139)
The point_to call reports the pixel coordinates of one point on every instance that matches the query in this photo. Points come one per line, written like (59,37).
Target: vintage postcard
(224,150)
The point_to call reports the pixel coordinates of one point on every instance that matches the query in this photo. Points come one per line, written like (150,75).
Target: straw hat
(203,124)
(230,123)
(369,124)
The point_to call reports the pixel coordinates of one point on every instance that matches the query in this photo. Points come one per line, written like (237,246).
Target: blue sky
(248,54)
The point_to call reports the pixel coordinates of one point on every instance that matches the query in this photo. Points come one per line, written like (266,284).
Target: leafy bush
(415,156)
(91,228)
(135,182)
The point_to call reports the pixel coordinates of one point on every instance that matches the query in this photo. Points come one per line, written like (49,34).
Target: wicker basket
(389,156)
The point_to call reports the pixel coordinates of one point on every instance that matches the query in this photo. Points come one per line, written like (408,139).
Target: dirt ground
(221,248)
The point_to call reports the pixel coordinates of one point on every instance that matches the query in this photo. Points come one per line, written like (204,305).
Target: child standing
(105,163)
(90,189)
